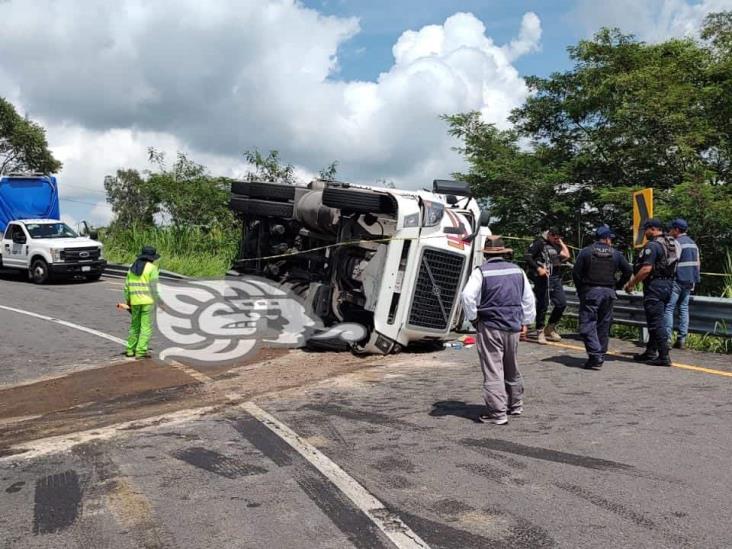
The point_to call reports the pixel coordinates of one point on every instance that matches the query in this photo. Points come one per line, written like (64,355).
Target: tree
(134,202)
(525,194)
(329,173)
(628,115)
(269,168)
(187,194)
(23,145)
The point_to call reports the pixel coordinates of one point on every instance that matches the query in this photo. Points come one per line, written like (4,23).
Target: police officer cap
(652,223)
(603,231)
(679,224)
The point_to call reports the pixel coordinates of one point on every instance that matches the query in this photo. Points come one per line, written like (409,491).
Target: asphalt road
(630,456)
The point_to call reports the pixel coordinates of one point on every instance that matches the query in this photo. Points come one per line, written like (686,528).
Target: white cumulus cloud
(110,79)
(649,20)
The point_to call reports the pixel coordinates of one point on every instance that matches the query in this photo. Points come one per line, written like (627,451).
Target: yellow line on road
(674,364)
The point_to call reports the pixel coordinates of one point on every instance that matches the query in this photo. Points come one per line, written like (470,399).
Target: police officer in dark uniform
(594,277)
(543,261)
(651,268)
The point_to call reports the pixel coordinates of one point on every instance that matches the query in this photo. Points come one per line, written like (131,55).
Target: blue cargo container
(28,197)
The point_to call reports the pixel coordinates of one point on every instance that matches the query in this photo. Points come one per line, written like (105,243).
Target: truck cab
(49,248)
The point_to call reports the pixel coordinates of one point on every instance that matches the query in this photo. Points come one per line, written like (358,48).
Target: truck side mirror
(485,219)
(18,238)
(94,234)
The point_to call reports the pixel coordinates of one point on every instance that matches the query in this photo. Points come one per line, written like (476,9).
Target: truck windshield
(50,230)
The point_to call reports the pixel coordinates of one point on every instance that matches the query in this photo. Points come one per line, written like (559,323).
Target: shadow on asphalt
(21,276)
(577,362)
(458,408)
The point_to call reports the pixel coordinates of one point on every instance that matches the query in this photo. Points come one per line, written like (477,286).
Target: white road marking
(67,324)
(195,374)
(399,533)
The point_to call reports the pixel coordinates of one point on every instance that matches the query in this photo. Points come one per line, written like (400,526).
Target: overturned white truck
(393,261)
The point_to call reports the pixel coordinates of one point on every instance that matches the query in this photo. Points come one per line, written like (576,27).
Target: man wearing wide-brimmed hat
(498,300)
(140,292)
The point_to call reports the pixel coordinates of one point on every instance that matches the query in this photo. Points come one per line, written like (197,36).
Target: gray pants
(503,388)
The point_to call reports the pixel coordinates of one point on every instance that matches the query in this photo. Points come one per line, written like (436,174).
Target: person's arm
(127,291)
(528,305)
(530,257)
(649,255)
(564,254)
(471,295)
(626,271)
(578,269)
(154,278)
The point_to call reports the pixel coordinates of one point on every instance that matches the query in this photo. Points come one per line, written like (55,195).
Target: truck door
(15,247)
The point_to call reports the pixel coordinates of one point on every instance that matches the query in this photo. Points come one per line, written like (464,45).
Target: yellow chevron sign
(642,210)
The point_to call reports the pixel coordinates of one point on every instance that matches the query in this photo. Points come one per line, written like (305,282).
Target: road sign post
(642,210)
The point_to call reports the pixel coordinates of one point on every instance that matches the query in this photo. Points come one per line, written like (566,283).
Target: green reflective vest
(140,290)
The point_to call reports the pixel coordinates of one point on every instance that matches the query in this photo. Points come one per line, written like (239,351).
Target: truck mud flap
(264,190)
(261,208)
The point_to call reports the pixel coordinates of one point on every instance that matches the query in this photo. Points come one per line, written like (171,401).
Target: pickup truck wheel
(93,277)
(267,191)
(39,271)
(262,208)
(358,200)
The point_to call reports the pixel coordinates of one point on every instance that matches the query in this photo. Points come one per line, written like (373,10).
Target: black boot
(659,361)
(645,356)
(592,364)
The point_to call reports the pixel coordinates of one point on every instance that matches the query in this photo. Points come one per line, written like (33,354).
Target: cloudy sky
(362,82)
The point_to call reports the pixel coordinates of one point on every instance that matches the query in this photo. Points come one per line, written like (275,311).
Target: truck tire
(261,208)
(93,277)
(357,200)
(39,271)
(267,191)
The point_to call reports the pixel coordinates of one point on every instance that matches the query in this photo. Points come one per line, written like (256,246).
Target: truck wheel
(93,277)
(262,208)
(39,271)
(267,191)
(357,200)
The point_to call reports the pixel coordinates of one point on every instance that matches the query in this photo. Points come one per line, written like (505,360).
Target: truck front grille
(438,283)
(80,254)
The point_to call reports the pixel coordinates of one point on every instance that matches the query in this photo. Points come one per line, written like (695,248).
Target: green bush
(191,251)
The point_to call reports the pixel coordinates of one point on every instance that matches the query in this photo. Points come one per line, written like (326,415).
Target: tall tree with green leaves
(133,201)
(187,194)
(23,145)
(628,115)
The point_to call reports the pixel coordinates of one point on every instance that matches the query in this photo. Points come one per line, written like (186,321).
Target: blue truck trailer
(28,197)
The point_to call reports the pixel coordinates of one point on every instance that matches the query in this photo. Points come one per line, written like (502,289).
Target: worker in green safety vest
(140,294)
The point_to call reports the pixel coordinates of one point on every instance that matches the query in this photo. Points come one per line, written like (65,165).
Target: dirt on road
(136,390)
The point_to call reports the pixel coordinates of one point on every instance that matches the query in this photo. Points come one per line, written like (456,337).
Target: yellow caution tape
(395,239)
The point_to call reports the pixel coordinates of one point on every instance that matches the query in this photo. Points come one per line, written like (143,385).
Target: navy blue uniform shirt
(582,262)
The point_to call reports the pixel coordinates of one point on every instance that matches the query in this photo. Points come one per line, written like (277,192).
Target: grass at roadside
(190,251)
(695,342)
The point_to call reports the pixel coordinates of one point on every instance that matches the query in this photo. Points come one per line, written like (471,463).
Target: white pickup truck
(47,248)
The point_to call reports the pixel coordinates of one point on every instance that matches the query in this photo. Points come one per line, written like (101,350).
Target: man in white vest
(498,300)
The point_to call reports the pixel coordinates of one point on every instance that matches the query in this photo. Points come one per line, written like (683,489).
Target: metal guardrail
(707,315)
(120,271)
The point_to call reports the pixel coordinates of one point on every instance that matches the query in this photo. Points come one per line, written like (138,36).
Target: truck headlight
(56,255)
(411,220)
(432,213)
